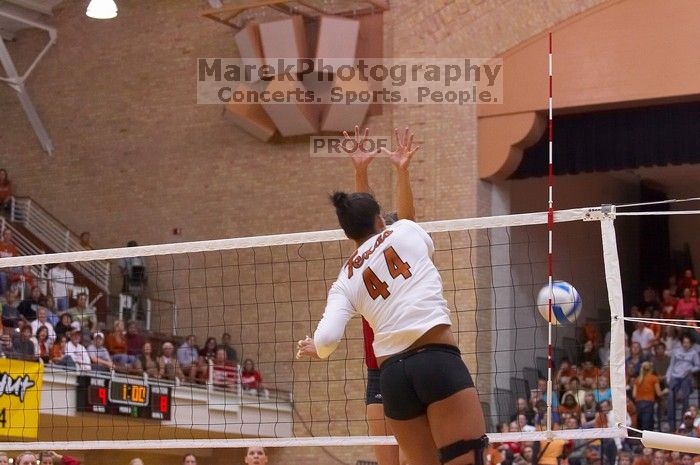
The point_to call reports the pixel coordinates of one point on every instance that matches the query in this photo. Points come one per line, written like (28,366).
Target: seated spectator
(644,336)
(635,360)
(23,347)
(134,339)
(41,320)
(136,461)
(575,387)
(231,354)
(589,407)
(58,353)
(687,306)
(522,407)
(224,371)
(670,336)
(51,314)
(689,282)
(251,379)
(589,353)
(76,351)
(650,300)
(42,344)
(5,345)
(523,425)
(25,458)
(660,361)
(208,352)
(645,458)
(85,241)
(589,374)
(148,362)
(668,305)
(82,312)
(23,280)
(189,360)
(51,458)
(117,346)
(61,284)
(541,414)
(168,366)
(7,249)
(686,428)
(569,406)
(565,372)
(29,307)
(541,393)
(513,447)
(99,355)
(645,389)
(65,324)
(624,458)
(684,363)
(603,391)
(189,459)
(5,192)
(10,311)
(591,332)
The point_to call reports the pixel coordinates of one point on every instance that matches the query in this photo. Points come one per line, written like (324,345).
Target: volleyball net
(267,292)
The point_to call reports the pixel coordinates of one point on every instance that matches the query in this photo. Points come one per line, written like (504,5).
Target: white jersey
(392,282)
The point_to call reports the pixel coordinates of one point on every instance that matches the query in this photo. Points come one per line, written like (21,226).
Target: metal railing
(58,237)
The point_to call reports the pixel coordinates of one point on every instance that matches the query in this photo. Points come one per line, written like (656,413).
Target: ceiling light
(102,9)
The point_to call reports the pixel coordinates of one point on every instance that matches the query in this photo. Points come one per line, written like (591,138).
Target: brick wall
(136,157)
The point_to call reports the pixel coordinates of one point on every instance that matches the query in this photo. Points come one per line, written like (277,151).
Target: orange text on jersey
(356,261)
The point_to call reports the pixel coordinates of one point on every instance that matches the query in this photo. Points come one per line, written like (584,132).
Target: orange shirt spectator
(115,341)
(645,387)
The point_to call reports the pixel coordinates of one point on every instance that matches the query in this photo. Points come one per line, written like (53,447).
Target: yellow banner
(20,398)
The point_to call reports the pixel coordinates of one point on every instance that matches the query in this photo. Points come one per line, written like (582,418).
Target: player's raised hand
(403,151)
(307,348)
(357,147)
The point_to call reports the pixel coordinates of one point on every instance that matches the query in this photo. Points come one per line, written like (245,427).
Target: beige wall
(136,157)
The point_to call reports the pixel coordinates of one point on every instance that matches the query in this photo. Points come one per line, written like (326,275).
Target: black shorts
(412,380)
(373,394)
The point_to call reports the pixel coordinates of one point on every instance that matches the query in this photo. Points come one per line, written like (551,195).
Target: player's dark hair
(356,213)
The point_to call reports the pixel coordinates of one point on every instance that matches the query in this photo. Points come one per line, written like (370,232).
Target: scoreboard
(128,398)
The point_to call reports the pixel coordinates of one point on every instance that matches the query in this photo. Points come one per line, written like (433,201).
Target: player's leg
(456,421)
(386,455)
(415,439)
(405,414)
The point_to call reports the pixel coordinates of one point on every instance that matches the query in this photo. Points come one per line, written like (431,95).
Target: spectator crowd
(662,365)
(42,321)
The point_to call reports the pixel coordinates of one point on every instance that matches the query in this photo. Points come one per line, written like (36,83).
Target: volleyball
(566,303)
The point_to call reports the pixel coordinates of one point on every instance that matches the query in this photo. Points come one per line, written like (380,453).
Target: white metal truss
(12,77)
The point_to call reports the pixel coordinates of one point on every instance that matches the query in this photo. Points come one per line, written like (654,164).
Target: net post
(617,328)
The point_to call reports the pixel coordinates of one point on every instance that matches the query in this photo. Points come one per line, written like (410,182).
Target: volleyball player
(429,397)
(255,456)
(385,455)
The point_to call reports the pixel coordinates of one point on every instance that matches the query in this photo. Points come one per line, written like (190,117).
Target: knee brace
(461,447)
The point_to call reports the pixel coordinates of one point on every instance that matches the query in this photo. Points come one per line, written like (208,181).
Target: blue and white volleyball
(566,303)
